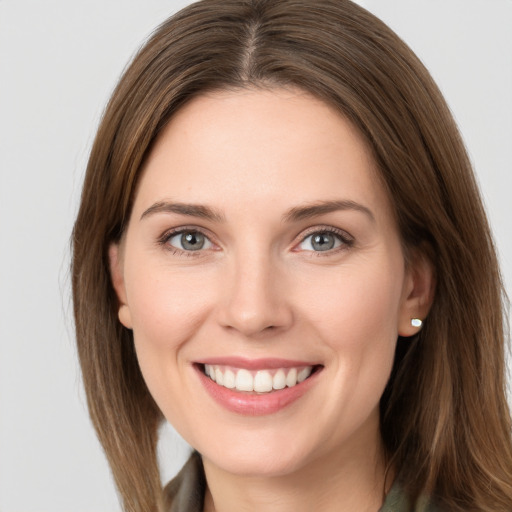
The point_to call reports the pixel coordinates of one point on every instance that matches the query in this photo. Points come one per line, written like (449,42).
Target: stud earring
(416,322)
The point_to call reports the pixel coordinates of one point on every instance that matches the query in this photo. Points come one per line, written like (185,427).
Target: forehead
(277,145)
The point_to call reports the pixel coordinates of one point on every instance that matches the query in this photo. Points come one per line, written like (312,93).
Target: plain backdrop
(59,61)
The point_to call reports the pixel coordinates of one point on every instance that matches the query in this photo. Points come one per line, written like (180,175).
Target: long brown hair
(444,415)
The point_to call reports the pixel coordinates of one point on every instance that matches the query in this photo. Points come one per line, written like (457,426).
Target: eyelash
(164,239)
(346,240)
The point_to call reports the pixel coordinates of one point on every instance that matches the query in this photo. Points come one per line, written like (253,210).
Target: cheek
(166,306)
(167,309)
(358,319)
(357,301)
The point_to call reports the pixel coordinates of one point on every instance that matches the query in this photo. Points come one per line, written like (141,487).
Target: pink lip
(250,404)
(256,364)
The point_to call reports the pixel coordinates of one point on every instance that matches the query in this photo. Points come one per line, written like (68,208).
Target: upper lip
(255,364)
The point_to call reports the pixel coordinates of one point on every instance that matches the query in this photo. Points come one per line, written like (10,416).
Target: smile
(257,387)
(260,381)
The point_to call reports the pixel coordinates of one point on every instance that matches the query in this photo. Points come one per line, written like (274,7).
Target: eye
(321,241)
(189,241)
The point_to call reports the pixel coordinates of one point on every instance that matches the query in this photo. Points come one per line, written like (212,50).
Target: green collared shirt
(185,492)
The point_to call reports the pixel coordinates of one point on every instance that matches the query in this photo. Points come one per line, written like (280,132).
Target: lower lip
(255,404)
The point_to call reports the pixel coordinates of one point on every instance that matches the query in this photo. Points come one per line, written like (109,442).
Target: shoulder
(398,501)
(185,492)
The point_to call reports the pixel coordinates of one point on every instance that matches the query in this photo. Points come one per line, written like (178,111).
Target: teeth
(219,376)
(304,374)
(229,379)
(261,381)
(244,381)
(291,378)
(279,381)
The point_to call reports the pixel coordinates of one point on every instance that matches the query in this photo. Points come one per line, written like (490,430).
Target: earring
(416,322)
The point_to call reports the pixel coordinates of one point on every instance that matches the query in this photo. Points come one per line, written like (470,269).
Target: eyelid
(164,238)
(345,237)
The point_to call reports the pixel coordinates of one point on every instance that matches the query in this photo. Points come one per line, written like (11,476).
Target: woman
(281,250)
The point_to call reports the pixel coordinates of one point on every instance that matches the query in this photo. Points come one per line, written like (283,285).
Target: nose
(254,301)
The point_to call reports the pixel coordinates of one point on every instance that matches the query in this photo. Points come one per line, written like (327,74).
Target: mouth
(256,387)
(258,381)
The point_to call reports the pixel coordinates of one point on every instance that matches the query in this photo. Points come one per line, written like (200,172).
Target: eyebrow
(295,214)
(191,210)
(323,207)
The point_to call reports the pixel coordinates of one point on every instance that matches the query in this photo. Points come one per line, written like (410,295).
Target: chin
(259,459)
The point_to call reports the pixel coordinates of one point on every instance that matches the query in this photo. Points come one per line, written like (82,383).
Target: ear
(115,255)
(417,295)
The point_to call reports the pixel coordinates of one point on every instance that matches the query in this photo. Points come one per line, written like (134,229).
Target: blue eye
(322,241)
(189,241)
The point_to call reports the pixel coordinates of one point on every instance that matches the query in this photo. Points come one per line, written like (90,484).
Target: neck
(342,481)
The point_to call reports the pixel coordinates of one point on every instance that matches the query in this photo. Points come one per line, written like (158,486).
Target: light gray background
(59,60)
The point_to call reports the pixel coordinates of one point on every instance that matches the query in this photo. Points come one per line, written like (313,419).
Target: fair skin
(288,257)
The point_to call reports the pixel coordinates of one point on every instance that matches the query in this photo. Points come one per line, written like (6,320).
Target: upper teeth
(261,381)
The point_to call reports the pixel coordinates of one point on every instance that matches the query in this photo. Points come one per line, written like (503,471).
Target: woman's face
(262,249)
